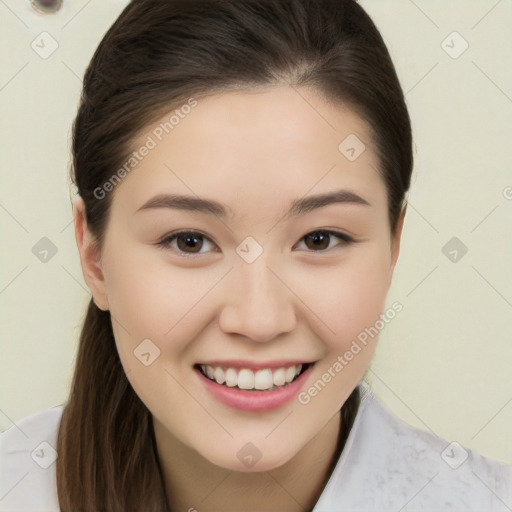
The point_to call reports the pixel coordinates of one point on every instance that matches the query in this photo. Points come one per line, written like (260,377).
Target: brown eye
(318,241)
(187,242)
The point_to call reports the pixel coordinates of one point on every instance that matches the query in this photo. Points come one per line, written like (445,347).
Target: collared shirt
(386,466)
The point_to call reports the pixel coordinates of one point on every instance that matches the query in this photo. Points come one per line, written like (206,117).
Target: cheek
(353,298)
(150,298)
(149,294)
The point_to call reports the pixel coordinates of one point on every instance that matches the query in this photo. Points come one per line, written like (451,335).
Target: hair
(157,55)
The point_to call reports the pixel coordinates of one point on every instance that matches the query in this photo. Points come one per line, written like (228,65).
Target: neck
(193,483)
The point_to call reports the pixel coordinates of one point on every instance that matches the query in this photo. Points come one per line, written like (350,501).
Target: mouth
(246,379)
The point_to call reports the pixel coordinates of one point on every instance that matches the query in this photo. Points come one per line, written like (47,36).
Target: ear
(90,257)
(395,241)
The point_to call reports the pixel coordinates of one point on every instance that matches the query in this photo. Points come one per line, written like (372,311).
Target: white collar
(388,465)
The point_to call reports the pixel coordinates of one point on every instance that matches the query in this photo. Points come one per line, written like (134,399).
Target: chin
(248,459)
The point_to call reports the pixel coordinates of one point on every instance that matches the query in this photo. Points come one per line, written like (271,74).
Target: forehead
(241,145)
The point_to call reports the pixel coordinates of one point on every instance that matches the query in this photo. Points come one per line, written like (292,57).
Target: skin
(253,151)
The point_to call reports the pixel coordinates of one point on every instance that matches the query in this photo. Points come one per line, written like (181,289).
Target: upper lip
(255,365)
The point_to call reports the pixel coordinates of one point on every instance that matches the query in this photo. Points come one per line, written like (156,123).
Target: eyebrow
(209,206)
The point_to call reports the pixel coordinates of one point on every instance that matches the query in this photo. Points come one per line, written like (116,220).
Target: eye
(320,240)
(189,243)
(185,241)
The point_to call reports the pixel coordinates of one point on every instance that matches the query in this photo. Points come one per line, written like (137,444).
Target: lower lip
(255,400)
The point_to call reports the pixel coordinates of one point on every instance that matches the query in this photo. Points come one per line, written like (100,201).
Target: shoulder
(27,463)
(389,465)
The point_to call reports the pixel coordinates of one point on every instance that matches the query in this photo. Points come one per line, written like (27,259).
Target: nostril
(46,6)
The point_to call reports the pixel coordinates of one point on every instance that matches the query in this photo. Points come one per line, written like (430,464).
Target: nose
(259,304)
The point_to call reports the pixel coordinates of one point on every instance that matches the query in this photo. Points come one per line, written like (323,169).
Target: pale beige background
(443,364)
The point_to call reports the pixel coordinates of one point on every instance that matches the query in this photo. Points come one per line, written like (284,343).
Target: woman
(242,167)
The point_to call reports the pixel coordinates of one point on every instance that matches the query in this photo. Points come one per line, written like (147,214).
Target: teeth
(290,373)
(218,374)
(279,377)
(263,379)
(247,379)
(231,378)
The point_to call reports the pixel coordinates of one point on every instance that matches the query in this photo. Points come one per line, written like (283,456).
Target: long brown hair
(156,56)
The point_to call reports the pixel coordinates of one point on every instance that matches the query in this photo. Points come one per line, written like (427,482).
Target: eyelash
(166,242)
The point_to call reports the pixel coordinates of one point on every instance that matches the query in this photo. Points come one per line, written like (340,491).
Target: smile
(258,389)
(246,379)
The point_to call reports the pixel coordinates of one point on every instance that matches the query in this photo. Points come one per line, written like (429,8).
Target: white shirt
(386,465)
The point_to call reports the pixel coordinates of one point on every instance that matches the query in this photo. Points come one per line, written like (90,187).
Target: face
(213,306)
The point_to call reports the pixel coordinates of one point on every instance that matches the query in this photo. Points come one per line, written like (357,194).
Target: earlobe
(90,256)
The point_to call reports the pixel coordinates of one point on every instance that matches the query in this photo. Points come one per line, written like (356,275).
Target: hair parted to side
(156,56)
